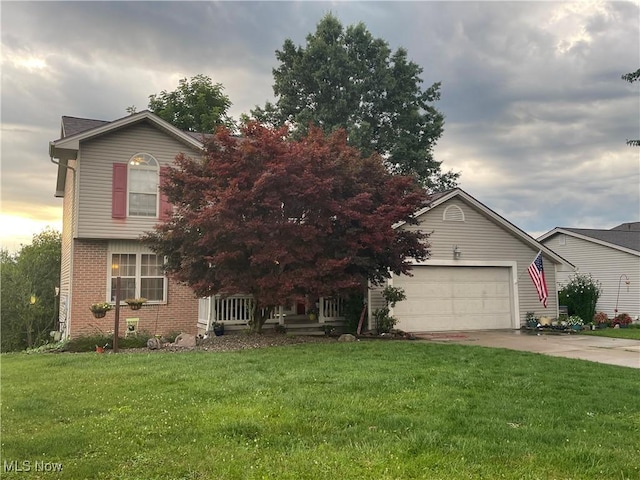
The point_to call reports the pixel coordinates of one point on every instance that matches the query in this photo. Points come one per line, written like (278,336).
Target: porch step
(307,328)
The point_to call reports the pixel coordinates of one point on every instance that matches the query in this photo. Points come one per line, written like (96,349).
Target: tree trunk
(259,317)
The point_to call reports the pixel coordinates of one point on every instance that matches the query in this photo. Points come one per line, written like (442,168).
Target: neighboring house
(108,178)
(476,277)
(610,256)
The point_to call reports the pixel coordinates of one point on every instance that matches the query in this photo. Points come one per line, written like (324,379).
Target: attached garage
(476,275)
(442,298)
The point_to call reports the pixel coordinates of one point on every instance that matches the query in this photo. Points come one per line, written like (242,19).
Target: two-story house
(108,177)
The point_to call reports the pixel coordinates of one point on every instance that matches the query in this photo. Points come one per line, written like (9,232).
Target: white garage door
(454,298)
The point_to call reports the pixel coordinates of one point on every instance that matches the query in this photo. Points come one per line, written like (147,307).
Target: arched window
(142,186)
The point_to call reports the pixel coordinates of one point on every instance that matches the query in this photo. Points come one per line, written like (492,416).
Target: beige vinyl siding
(95,176)
(605,264)
(68,229)
(375,301)
(482,241)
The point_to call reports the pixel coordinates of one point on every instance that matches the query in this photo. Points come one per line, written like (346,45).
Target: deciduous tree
(280,218)
(632,77)
(349,79)
(197,105)
(28,310)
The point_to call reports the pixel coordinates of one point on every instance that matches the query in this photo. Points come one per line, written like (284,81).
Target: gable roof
(74,130)
(624,237)
(441,197)
(83,129)
(628,227)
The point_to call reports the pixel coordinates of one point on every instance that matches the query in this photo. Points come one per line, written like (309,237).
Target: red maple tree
(280,219)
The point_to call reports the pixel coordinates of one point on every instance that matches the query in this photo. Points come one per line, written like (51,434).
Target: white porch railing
(331,309)
(236,309)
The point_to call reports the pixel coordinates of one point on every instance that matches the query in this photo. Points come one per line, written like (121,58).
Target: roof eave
(532,242)
(597,241)
(73,142)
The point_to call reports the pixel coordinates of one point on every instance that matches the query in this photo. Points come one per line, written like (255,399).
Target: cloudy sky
(536,112)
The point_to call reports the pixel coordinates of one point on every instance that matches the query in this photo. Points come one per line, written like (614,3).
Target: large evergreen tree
(346,78)
(279,218)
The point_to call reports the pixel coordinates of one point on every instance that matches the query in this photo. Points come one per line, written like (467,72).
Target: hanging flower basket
(135,303)
(99,310)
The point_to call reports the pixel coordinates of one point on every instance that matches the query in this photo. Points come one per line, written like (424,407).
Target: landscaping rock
(187,340)
(346,337)
(154,344)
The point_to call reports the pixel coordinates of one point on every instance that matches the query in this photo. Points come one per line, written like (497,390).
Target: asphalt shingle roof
(73,125)
(629,238)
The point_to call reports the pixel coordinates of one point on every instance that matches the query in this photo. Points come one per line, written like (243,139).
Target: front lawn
(632,332)
(364,410)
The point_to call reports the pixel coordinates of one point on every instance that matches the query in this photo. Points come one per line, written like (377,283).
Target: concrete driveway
(614,351)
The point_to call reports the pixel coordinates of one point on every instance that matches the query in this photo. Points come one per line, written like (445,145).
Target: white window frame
(138,277)
(143,161)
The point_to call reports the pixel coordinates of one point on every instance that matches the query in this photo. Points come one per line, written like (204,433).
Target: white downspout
(67,323)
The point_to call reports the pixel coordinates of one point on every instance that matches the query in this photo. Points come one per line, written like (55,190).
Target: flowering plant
(135,300)
(581,295)
(601,318)
(622,319)
(100,307)
(574,320)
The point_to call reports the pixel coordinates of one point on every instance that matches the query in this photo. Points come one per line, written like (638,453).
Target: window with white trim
(142,186)
(141,276)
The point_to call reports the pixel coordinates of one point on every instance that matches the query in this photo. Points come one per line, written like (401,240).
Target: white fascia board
(588,239)
(73,142)
(532,242)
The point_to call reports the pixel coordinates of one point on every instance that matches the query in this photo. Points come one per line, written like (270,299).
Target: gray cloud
(537,115)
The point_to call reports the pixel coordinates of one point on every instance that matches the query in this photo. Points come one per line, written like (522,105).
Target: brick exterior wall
(89,285)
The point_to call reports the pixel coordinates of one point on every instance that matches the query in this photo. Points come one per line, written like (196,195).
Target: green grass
(364,410)
(631,332)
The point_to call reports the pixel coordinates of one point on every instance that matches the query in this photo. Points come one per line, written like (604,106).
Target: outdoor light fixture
(456,253)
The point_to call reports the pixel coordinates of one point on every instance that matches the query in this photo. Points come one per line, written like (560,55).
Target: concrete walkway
(614,351)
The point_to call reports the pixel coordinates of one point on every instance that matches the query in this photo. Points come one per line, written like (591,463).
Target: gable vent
(453,213)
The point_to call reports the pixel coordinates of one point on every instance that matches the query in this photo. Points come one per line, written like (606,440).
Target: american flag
(536,272)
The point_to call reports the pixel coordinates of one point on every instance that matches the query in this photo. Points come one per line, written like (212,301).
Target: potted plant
(531,320)
(218,328)
(622,319)
(601,320)
(575,322)
(99,310)
(312,313)
(135,303)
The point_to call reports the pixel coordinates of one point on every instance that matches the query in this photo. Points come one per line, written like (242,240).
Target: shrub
(601,318)
(90,342)
(171,336)
(383,321)
(87,343)
(581,295)
(134,341)
(621,319)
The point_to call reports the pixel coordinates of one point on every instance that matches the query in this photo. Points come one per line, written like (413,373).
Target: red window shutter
(119,191)
(166,209)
